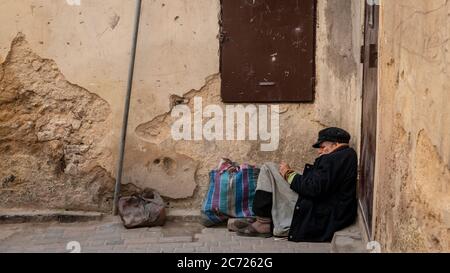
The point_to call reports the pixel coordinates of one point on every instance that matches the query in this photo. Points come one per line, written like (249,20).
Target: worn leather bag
(145,209)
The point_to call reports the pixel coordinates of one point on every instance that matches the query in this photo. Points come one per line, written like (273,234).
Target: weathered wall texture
(62,85)
(413,157)
(50,134)
(178,59)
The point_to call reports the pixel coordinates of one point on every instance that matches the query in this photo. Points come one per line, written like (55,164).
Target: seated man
(312,206)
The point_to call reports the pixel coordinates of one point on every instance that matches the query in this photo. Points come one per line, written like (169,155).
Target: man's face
(327,148)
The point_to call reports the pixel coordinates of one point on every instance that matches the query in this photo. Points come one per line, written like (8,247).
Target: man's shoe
(236,224)
(260,228)
(250,231)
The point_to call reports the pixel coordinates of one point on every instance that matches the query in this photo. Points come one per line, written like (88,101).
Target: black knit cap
(332,134)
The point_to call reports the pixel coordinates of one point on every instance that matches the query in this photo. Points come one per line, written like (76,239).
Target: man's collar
(341,148)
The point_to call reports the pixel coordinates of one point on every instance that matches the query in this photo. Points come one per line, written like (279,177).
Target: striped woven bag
(231,192)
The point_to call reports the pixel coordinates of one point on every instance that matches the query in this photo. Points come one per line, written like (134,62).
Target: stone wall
(178,60)
(51,134)
(77,61)
(412,202)
(63,72)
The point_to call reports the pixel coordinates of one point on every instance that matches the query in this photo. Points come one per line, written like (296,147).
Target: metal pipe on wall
(127,106)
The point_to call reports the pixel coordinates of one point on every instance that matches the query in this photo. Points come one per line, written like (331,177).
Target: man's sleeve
(295,183)
(291,176)
(315,183)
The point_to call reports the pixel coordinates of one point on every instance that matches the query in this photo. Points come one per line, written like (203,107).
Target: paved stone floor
(109,236)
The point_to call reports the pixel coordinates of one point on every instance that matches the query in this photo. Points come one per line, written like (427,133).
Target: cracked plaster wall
(178,56)
(178,59)
(412,207)
(59,153)
(62,90)
(50,137)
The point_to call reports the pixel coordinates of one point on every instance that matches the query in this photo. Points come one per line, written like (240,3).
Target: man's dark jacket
(327,197)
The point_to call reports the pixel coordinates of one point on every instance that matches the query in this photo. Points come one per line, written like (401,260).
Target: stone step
(183,215)
(348,240)
(17,216)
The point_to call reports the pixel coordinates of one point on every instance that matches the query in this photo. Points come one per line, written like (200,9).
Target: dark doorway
(369,54)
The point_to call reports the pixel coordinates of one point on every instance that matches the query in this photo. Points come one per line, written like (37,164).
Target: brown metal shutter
(267,50)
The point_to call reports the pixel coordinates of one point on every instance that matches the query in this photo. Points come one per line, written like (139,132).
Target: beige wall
(68,60)
(413,176)
(62,90)
(181,57)
(87,48)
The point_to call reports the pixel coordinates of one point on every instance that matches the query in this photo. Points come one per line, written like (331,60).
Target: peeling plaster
(50,137)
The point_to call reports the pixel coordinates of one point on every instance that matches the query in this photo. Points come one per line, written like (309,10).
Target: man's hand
(284,168)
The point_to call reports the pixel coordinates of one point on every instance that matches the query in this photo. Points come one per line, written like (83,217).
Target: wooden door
(369,54)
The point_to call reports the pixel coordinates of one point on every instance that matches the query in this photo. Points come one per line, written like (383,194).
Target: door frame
(369,223)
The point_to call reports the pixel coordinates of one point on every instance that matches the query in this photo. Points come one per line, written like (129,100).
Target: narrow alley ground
(109,236)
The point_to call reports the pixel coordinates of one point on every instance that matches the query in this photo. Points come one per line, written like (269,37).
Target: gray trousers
(283,198)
